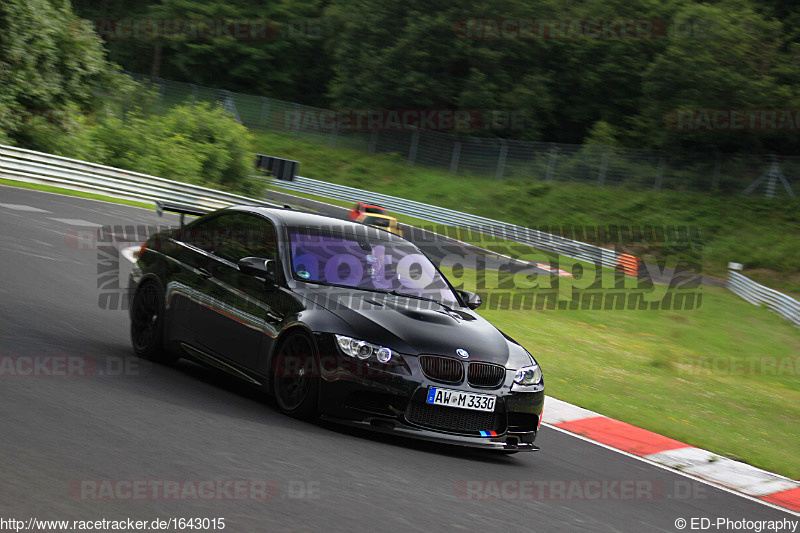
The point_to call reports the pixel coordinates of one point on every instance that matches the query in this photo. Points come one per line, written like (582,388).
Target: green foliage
(572,88)
(49,62)
(194,143)
(737,59)
(284,60)
(759,232)
(602,133)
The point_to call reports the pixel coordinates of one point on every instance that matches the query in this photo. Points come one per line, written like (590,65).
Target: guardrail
(493,228)
(36,167)
(46,169)
(757,294)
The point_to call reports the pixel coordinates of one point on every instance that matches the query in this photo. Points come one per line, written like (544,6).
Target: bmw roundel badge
(462,353)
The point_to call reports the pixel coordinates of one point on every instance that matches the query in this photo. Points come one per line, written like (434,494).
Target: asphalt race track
(106,437)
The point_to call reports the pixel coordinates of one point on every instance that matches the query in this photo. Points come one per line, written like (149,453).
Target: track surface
(188,423)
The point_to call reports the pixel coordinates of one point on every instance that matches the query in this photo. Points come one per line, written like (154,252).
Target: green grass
(653,369)
(686,374)
(763,235)
(70,192)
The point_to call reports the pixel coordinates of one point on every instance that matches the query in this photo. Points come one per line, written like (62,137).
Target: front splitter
(498,443)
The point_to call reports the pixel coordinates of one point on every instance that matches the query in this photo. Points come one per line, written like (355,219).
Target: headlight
(363,350)
(528,375)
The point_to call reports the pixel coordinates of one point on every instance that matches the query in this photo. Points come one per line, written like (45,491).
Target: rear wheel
(295,377)
(147,323)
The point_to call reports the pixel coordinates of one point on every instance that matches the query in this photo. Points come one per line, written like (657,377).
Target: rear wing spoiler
(181,209)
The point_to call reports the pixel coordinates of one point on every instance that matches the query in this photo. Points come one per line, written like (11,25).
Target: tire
(147,323)
(295,380)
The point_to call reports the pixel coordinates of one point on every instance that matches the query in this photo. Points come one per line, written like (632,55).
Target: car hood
(418,327)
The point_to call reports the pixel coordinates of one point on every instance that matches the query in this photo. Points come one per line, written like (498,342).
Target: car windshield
(368,263)
(374,210)
(377,221)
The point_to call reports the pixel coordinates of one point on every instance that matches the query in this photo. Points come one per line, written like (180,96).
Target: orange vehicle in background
(361,209)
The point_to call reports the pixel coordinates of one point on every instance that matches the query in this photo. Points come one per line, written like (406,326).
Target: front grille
(485,375)
(451,418)
(442,369)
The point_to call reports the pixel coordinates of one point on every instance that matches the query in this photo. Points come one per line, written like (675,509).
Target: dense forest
(586,71)
(569,84)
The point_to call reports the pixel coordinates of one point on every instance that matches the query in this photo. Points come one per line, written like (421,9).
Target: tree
(49,63)
(737,60)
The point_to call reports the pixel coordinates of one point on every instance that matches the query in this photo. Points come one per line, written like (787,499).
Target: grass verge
(704,376)
(70,192)
(708,377)
(763,235)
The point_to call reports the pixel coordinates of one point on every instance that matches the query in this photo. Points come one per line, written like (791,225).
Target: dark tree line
(572,87)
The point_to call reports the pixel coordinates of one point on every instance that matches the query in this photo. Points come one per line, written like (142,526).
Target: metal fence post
(551,163)
(373,141)
(264,110)
(601,175)
(454,158)
(772,176)
(412,151)
(501,160)
(659,174)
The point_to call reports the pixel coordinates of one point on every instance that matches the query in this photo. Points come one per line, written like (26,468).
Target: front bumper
(506,442)
(393,401)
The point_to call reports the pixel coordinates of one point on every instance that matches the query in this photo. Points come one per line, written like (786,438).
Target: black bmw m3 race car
(335,319)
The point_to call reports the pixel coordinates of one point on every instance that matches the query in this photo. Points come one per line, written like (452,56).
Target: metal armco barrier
(493,228)
(46,169)
(757,294)
(29,166)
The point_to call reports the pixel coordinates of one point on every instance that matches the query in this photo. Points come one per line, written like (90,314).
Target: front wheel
(295,377)
(147,323)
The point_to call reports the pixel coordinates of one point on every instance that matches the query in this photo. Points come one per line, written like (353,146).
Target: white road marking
(130,252)
(76,222)
(19,207)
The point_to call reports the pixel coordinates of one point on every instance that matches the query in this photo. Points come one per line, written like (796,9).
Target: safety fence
(500,158)
(36,167)
(757,294)
(45,169)
(447,217)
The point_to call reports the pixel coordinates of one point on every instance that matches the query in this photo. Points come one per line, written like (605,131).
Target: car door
(245,311)
(188,250)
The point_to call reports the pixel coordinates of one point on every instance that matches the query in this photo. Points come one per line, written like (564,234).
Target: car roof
(292,217)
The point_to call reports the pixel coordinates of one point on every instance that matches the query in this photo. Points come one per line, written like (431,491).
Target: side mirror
(258,266)
(472,300)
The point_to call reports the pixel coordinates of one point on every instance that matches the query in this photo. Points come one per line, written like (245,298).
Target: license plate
(461,399)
